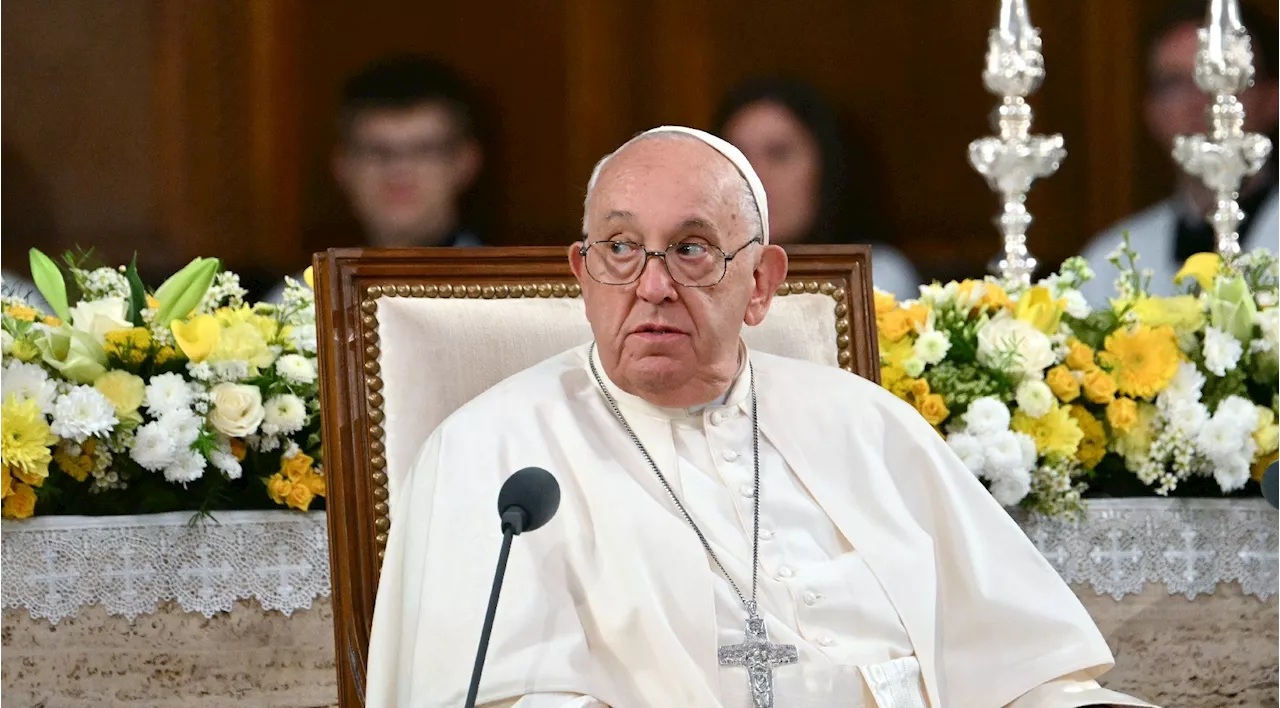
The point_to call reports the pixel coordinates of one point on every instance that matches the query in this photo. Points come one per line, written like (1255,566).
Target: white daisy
(296,369)
(167,393)
(187,467)
(284,415)
(28,382)
(81,413)
(932,346)
(153,448)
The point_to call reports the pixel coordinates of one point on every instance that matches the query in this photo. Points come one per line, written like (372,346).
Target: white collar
(737,395)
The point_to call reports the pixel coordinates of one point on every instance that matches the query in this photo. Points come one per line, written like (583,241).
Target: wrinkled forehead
(668,178)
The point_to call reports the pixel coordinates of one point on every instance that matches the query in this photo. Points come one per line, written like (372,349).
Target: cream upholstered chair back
(408,336)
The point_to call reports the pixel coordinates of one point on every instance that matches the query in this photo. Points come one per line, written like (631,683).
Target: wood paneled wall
(183,127)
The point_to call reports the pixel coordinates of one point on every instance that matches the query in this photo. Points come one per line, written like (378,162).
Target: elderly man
(707,489)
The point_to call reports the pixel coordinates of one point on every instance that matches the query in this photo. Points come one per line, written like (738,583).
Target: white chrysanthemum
(6,342)
(153,448)
(82,413)
(1077,305)
(913,367)
(1029,453)
(1185,385)
(168,393)
(182,426)
(986,415)
(28,382)
(284,415)
(296,369)
(1221,351)
(1220,438)
(969,450)
(1011,488)
(226,463)
(187,467)
(1004,454)
(931,347)
(1186,417)
(1015,345)
(1034,398)
(1231,472)
(1269,323)
(1240,411)
(303,338)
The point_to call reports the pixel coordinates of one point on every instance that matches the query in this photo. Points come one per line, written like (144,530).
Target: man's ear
(576,262)
(469,160)
(769,274)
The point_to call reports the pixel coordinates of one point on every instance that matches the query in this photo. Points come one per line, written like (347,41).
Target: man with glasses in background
(407,154)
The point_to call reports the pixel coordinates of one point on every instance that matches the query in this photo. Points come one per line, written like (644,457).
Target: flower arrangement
(1047,400)
(120,400)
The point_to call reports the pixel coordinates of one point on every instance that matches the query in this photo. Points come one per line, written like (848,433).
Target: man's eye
(621,248)
(691,250)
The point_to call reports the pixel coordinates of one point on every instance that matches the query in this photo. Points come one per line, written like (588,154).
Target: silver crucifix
(759,655)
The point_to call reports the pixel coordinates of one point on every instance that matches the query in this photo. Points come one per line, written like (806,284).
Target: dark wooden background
(183,127)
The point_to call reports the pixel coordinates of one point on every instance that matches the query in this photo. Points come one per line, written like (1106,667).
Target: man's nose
(655,283)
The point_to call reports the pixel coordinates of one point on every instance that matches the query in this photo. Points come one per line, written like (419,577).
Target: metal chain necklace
(756,652)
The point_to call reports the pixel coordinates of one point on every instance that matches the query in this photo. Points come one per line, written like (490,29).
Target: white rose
(1015,344)
(98,317)
(237,409)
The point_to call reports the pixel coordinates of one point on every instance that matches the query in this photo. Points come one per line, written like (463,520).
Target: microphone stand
(513,521)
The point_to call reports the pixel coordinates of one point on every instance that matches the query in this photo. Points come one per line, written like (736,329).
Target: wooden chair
(406,336)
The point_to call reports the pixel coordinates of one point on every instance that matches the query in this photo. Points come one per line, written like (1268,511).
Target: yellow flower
(933,407)
(1099,386)
(152,302)
(21,312)
(268,327)
(884,303)
(1183,313)
(1080,355)
(1260,467)
(6,482)
(300,496)
(308,277)
(992,297)
(1203,267)
(25,350)
(1135,443)
(1063,383)
(278,488)
(296,467)
(21,504)
(1143,359)
(896,353)
(1267,434)
(124,390)
(900,322)
(51,321)
(315,483)
(197,337)
(1038,307)
(1122,413)
(238,448)
(77,465)
(890,376)
(25,440)
(128,345)
(242,341)
(1055,432)
(166,354)
(1093,446)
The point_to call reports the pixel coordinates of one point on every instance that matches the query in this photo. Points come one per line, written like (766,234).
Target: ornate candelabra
(1225,157)
(1016,158)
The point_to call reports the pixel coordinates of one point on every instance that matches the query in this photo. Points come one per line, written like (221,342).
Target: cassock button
(785,572)
(747,490)
(811,598)
(825,641)
(717,418)
(765,534)
(729,455)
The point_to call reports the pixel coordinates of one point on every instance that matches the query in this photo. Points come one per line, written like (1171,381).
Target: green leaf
(137,293)
(48,280)
(186,293)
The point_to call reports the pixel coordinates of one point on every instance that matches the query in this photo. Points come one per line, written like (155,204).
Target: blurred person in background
(792,137)
(407,153)
(1165,234)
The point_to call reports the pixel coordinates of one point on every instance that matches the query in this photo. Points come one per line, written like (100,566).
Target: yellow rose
(315,483)
(278,488)
(197,337)
(934,409)
(296,467)
(6,482)
(1099,386)
(1122,413)
(1063,383)
(1038,308)
(300,496)
(1080,355)
(1183,313)
(1093,446)
(20,504)
(884,303)
(895,325)
(124,390)
(1203,267)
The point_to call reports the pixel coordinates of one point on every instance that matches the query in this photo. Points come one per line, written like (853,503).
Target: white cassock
(1152,234)
(899,579)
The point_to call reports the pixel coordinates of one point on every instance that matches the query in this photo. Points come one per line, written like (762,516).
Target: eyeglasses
(693,264)
(417,153)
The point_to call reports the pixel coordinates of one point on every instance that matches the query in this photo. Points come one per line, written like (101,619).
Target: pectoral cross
(759,656)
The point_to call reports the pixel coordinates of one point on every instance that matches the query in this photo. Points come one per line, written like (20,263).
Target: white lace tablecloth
(1187,545)
(53,566)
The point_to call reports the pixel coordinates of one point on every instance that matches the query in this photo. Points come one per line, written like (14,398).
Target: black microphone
(1270,486)
(527,501)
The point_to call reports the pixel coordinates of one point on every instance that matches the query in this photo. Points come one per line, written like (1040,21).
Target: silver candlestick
(1014,159)
(1225,157)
